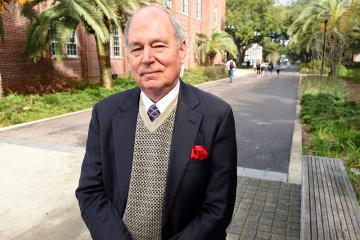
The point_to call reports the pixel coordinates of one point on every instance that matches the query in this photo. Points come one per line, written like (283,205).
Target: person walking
(160,159)
(270,68)
(258,69)
(231,66)
(277,71)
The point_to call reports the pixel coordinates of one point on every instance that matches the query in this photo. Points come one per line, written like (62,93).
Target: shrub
(215,72)
(316,85)
(314,67)
(335,126)
(350,73)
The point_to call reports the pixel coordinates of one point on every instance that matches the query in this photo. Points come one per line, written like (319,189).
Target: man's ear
(182,51)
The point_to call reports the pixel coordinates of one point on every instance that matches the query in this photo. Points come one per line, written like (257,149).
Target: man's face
(154,54)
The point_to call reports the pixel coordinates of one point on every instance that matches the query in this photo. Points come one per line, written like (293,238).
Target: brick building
(80,60)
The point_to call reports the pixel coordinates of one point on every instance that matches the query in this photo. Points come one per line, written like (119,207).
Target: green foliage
(332,86)
(314,67)
(215,72)
(350,73)
(204,74)
(17,108)
(62,18)
(219,42)
(308,29)
(251,21)
(334,124)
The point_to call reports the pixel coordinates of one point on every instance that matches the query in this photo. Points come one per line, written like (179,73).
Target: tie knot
(153,112)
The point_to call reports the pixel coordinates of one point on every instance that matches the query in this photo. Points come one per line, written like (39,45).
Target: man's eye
(159,46)
(135,50)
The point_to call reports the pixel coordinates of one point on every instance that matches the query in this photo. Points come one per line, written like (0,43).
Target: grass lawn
(331,123)
(16,108)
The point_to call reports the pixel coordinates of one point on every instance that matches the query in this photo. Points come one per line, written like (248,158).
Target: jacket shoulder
(116,103)
(117,99)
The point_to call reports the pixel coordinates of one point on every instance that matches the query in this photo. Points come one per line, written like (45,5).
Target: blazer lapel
(186,126)
(124,126)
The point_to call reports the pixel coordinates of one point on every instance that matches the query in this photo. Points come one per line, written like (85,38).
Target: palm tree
(219,42)
(98,17)
(308,28)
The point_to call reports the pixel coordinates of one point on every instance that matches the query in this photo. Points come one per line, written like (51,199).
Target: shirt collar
(163,103)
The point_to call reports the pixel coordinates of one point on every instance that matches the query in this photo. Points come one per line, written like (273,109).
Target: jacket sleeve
(219,201)
(97,210)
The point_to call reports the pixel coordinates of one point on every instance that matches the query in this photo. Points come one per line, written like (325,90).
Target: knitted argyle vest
(145,203)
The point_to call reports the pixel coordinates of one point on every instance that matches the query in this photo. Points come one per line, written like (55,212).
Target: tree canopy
(218,42)
(256,21)
(341,19)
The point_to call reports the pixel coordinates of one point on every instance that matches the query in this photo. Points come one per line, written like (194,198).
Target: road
(264,111)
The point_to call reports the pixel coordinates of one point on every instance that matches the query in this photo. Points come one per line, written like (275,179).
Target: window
(215,16)
(198,9)
(167,3)
(185,7)
(116,43)
(53,41)
(72,46)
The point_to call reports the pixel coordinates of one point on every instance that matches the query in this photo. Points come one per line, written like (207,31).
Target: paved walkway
(266,210)
(40,166)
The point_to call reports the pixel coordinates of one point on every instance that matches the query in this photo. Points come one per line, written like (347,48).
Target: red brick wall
(13,68)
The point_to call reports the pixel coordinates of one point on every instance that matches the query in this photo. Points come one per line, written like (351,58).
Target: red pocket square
(198,152)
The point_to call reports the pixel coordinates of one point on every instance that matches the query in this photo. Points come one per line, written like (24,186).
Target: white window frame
(75,50)
(116,42)
(185,7)
(198,9)
(53,42)
(167,3)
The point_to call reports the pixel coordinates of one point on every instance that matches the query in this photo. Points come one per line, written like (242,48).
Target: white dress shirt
(163,103)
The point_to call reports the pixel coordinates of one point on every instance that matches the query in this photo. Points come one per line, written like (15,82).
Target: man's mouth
(150,72)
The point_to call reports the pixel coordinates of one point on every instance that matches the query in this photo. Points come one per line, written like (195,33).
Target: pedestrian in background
(258,69)
(277,71)
(262,69)
(231,66)
(270,68)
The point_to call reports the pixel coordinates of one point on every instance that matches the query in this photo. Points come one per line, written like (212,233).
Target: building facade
(80,59)
(253,54)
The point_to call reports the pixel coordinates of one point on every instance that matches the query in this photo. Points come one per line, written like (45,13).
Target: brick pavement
(266,210)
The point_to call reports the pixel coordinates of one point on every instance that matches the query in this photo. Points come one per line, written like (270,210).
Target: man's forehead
(149,14)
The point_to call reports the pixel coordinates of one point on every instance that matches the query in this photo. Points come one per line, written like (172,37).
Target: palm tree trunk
(103,50)
(333,59)
(241,51)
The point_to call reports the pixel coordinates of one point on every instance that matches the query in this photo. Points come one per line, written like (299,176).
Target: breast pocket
(198,165)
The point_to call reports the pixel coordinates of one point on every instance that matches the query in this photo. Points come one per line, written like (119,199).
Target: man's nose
(148,56)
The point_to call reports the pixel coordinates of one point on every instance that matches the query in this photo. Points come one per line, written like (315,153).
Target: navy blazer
(200,194)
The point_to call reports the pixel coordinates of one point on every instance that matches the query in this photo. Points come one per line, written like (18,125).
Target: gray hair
(179,35)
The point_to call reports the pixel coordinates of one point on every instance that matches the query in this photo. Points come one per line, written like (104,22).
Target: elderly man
(160,159)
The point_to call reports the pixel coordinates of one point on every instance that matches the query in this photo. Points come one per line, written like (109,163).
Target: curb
(295,165)
(42,120)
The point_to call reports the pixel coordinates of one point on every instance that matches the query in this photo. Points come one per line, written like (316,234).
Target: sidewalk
(266,210)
